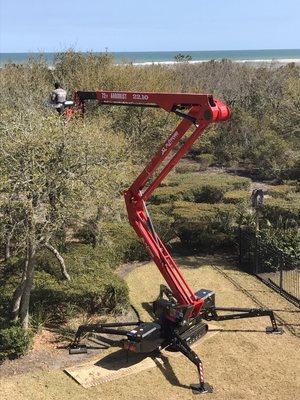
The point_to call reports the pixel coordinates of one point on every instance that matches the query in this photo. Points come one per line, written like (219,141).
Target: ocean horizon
(148,57)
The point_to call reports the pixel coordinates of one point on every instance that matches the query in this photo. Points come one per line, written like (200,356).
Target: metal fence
(271,265)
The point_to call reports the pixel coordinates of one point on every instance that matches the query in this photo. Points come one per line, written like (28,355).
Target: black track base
(78,349)
(271,330)
(202,389)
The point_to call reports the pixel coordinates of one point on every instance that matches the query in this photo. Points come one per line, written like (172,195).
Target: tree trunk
(17,296)
(9,237)
(7,247)
(24,303)
(60,260)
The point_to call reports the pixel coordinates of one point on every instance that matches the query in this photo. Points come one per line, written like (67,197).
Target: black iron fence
(271,265)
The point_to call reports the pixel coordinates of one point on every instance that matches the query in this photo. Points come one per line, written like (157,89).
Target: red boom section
(200,111)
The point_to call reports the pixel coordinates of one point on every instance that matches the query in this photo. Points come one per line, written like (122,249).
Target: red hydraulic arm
(197,111)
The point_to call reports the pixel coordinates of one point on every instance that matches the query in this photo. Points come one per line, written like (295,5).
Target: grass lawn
(240,361)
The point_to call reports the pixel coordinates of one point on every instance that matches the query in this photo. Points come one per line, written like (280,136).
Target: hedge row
(193,212)
(199,188)
(283,210)
(236,196)
(184,168)
(281,191)
(231,181)
(163,221)
(205,226)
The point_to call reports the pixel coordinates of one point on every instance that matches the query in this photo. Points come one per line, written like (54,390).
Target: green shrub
(294,171)
(281,191)
(121,241)
(200,188)
(236,196)
(285,240)
(75,255)
(230,181)
(204,226)
(167,194)
(97,292)
(14,341)
(206,188)
(276,210)
(163,221)
(185,168)
(94,287)
(268,156)
(211,188)
(209,193)
(205,160)
(86,234)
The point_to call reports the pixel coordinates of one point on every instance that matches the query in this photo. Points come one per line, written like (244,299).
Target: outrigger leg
(181,344)
(77,348)
(210,314)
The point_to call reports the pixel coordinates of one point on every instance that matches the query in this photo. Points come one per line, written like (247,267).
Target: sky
(148,25)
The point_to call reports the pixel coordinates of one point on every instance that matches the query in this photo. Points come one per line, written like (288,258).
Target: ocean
(281,55)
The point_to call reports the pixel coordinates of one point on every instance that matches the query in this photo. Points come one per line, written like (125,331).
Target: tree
(182,57)
(53,176)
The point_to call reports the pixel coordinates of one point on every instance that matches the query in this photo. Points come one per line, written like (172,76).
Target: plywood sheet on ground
(111,367)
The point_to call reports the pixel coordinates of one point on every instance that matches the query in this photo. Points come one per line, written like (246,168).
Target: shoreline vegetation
(252,57)
(275,63)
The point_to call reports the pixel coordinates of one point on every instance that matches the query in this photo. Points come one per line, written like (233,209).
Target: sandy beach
(251,62)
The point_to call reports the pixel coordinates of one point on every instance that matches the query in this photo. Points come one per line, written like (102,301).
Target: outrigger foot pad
(277,331)
(77,349)
(202,388)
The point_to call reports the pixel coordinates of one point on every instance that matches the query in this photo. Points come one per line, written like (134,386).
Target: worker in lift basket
(58,98)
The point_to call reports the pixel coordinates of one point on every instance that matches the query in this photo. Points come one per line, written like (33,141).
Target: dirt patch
(49,350)
(47,353)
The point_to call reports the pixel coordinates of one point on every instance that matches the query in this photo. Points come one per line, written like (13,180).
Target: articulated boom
(179,312)
(200,110)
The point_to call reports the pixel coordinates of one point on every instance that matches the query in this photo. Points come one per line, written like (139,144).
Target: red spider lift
(179,311)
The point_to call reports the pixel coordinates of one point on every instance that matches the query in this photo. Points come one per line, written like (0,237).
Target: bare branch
(60,259)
